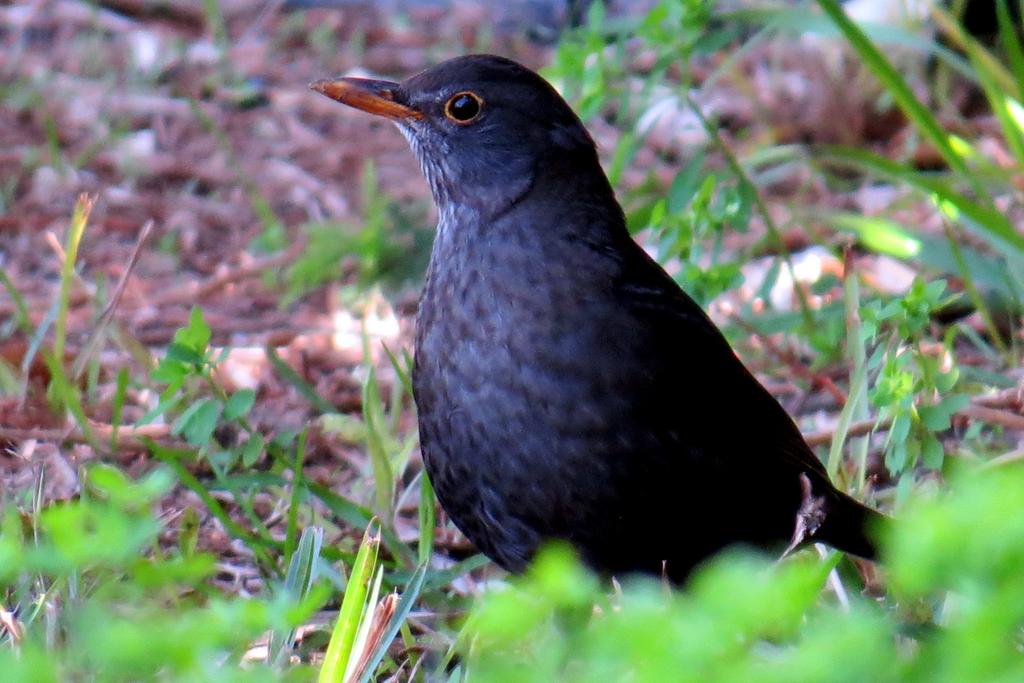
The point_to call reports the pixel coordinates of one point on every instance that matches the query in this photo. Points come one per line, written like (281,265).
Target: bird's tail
(852,527)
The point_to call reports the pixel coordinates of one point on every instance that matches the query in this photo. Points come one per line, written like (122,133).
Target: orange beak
(375,97)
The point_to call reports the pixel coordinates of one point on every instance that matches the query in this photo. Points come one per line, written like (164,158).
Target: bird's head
(484,128)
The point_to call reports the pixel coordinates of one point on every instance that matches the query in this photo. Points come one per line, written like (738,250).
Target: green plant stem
(762,209)
(79,219)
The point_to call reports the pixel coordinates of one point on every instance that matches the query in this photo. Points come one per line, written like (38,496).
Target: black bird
(567,388)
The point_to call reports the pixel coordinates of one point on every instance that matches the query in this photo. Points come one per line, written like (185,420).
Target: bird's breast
(513,355)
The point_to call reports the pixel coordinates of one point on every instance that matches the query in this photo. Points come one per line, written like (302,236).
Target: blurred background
(210,274)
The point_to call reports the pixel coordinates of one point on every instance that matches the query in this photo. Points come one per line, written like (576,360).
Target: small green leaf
(934,418)
(955,402)
(896,457)
(196,334)
(168,372)
(239,404)
(198,421)
(685,184)
(183,353)
(931,452)
(252,449)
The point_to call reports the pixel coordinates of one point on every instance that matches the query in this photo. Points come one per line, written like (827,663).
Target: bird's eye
(463,107)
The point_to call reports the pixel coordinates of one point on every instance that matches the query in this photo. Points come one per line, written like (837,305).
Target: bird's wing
(700,367)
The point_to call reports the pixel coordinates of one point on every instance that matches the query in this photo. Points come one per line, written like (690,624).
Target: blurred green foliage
(955,612)
(98,598)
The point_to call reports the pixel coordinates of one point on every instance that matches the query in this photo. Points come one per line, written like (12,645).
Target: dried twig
(860,428)
(994,416)
(127,436)
(199,291)
(1012,398)
(978,410)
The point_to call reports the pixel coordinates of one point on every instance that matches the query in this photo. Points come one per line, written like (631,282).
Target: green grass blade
(1011,43)
(972,292)
(901,92)
(285,372)
(297,584)
(989,222)
(404,376)
(120,392)
(62,392)
(885,236)
(952,29)
(79,219)
(35,342)
(427,518)
(383,473)
(339,649)
(440,578)
(298,487)
(1002,105)
(856,400)
(21,319)
(257,544)
(359,516)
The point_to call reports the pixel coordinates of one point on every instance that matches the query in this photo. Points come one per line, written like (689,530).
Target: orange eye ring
(463,107)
